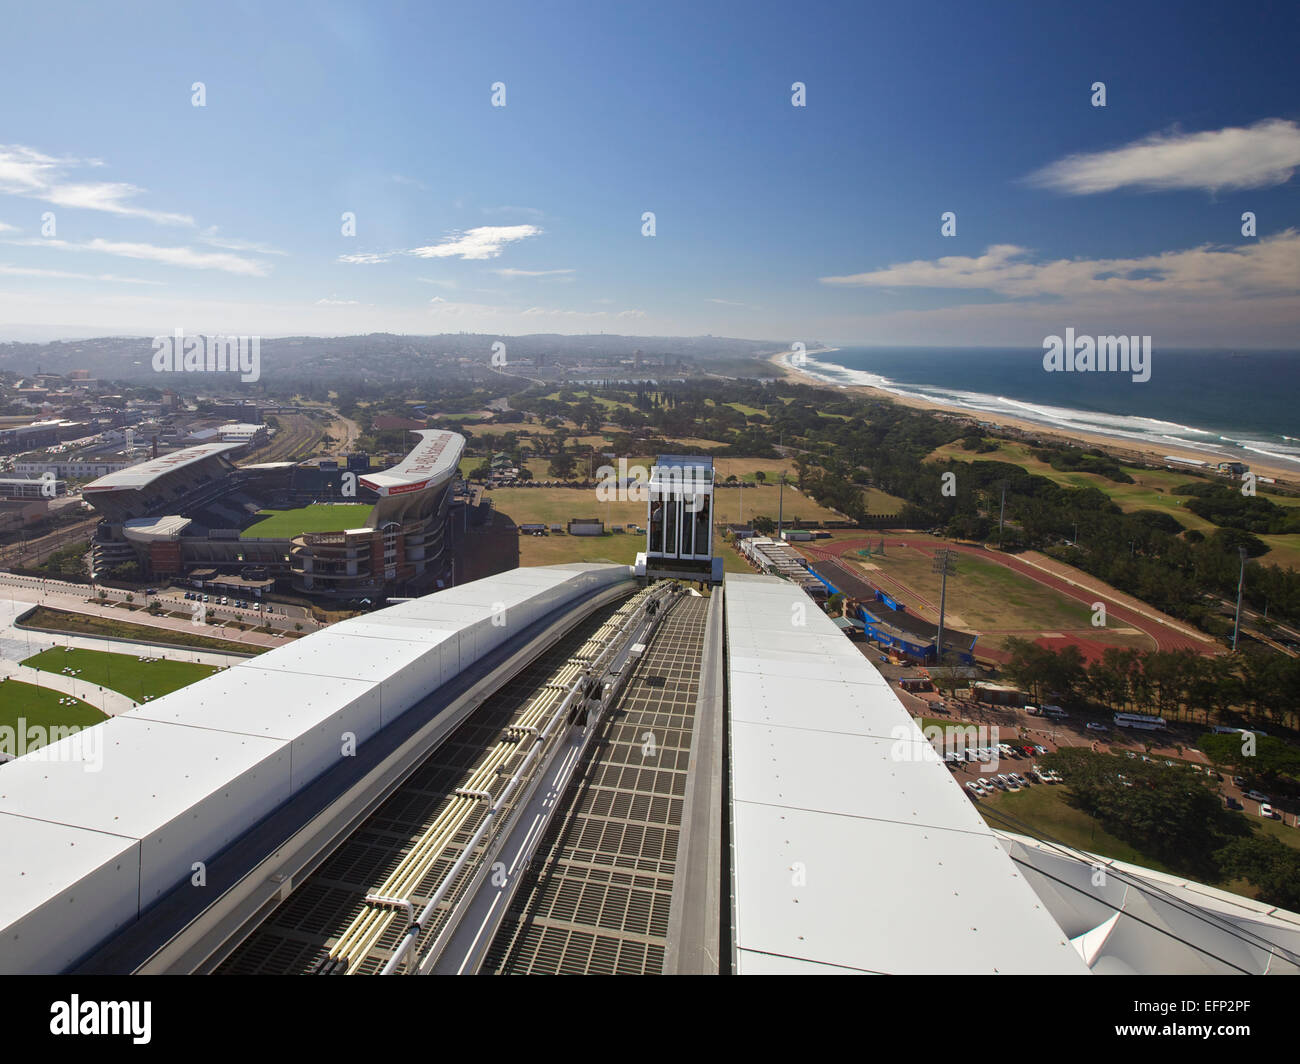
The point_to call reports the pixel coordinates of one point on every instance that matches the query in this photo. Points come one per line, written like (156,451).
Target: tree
(760,477)
(562,465)
(1271,865)
(763,525)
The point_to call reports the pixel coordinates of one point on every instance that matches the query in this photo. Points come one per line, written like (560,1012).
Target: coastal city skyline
(801,185)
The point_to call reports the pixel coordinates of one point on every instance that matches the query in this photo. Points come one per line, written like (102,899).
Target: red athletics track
(1164,637)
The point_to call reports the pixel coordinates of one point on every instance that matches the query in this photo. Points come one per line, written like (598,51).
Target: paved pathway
(18,644)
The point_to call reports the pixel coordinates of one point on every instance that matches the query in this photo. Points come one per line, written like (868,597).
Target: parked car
(1255,796)
(975,790)
(1092,725)
(1020,779)
(1269,813)
(1039,749)
(1239,781)
(1006,783)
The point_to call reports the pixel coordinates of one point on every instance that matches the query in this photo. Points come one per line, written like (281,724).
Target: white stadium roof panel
(429,462)
(53,878)
(144,529)
(311,712)
(184,792)
(880,896)
(141,476)
(749,962)
(184,776)
(821,705)
(854,847)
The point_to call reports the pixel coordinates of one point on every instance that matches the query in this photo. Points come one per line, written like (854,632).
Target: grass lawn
(1152,490)
(108,627)
(324,517)
(984,595)
(1043,808)
(599,400)
(39,706)
(555,506)
(615,548)
(122,672)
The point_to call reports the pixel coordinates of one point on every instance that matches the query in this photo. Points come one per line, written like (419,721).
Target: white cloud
(414,182)
(527,212)
(511,272)
(34,271)
(171,256)
(1270,266)
(483,242)
(230,243)
(27,172)
(335,301)
(1258,156)
(6,228)
(366,258)
(443,306)
(725,302)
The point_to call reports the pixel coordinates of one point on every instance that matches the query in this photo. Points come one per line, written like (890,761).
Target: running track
(1162,634)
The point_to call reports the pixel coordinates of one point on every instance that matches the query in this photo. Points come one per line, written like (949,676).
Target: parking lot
(1018,728)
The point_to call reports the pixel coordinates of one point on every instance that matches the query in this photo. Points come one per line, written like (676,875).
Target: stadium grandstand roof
(150,528)
(138,477)
(102,824)
(430,462)
(854,848)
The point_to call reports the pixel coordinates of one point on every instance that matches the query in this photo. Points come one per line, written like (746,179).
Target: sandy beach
(1120,448)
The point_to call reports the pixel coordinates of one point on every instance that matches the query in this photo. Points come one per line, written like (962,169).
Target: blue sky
(772,221)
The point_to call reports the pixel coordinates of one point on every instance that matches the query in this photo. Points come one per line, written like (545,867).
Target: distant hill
(385,356)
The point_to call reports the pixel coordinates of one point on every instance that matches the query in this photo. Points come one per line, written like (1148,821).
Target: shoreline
(1117,447)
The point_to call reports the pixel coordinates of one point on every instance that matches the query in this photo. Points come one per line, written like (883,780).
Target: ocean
(1226,404)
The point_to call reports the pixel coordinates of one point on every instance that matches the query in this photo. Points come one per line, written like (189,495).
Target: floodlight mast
(1241,579)
(943,564)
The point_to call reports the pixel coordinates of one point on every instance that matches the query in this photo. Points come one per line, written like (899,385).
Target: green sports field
(324,517)
(124,673)
(39,706)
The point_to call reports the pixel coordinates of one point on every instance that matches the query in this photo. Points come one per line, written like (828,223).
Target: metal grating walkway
(300,933)
(597,895)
